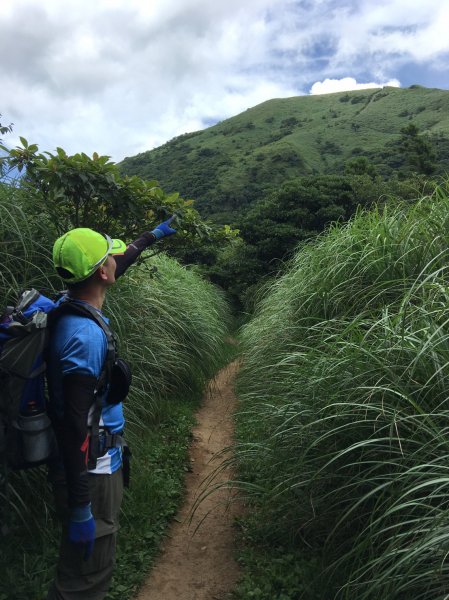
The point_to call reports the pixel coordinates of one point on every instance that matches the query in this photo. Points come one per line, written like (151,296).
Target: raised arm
(144,241)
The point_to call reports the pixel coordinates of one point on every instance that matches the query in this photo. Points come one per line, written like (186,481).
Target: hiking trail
(197,556)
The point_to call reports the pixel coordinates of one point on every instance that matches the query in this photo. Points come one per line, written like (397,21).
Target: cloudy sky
(122,76)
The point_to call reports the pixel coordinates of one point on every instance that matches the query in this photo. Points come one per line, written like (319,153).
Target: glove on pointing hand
(164,229)
(82,528)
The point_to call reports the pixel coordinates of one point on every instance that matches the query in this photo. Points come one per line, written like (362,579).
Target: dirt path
(197,558)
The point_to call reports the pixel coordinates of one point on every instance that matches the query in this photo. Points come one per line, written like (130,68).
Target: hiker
(88,488)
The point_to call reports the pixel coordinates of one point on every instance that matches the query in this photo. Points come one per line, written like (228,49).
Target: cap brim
(118,247)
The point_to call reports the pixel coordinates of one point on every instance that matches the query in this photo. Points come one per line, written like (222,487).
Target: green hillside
(232,164)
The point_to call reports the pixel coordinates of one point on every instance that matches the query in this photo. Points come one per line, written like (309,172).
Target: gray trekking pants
(77,579)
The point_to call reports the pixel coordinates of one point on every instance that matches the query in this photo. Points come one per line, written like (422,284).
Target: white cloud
(121,76)
(328,86)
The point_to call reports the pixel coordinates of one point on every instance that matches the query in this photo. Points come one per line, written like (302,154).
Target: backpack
(27,437)
(24,423)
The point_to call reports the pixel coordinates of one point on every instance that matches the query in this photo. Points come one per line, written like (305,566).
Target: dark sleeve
(78,393)
(133,251)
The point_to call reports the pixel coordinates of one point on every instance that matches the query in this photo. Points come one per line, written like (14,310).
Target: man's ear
(101,273)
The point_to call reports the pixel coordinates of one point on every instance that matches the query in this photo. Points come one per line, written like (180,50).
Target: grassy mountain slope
(230,165)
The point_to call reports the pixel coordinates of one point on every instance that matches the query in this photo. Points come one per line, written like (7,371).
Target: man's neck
(94,297)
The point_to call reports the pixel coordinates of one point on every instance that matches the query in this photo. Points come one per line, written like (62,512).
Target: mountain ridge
(232,164)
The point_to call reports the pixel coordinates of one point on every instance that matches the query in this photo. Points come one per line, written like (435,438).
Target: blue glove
(82,528)
(164,229)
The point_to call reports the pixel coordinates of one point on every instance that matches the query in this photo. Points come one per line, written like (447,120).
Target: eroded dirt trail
(197,557)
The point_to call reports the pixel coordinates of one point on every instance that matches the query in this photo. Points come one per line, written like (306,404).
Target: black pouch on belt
(120,381)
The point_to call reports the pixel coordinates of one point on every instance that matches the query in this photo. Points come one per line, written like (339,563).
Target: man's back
(79,346)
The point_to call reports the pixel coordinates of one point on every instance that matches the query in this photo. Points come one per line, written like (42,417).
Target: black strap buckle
(111,440)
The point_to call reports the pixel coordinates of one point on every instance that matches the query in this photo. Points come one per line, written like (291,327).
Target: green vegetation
(232,165)
(171,326)
(298,211)
(342,448)
(343,445)
(4,129)
(72,191)
(282,171)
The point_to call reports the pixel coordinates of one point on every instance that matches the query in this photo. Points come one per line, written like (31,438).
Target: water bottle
(36,433)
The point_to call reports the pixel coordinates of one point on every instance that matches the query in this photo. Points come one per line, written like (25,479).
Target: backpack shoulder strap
(72,307)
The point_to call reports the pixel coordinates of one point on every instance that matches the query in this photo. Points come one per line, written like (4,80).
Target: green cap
(80,252)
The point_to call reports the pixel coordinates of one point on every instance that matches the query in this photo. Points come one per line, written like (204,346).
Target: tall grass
(171,326)
(25,248)
(344,427)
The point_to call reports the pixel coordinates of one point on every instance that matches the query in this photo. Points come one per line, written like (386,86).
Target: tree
(4,129)
(360,166)
(79,191)
(272,230)
(297,211)
(418,150)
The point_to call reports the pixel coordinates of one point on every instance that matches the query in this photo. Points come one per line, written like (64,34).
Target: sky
(119,77)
